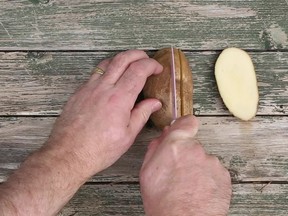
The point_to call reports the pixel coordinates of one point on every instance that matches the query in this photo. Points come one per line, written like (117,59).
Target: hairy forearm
(43,185)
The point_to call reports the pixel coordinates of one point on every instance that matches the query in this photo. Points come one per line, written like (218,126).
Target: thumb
(141,113)
(188,123)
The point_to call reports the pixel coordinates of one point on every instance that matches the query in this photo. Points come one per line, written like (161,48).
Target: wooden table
(49,47)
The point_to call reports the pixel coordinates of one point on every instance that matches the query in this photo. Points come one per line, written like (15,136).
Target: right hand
(179,178)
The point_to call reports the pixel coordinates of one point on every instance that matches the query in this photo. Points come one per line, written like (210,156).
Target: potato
(237,83)
(160,87)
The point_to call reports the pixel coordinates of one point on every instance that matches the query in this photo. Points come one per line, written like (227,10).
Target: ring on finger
(98,70)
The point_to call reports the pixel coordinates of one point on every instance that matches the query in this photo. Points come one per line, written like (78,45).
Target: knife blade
(173,87)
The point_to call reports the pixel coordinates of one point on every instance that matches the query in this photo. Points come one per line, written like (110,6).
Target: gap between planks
(146,50)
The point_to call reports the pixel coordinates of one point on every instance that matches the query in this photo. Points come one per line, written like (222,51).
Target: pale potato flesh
(237,83)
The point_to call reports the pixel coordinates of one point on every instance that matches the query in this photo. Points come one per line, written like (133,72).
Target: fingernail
(173,122)
(157,106)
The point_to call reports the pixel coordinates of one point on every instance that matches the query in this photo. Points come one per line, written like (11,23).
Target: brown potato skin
(160,87)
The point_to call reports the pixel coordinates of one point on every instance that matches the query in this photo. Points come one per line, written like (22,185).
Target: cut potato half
(237,83)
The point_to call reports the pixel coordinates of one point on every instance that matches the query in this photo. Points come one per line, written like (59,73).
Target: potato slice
(237,83)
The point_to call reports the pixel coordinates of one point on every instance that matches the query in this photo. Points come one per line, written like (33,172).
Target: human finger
(153,145)
(188,123)
(185,127)
(150,151)
(120,63)
(134,78)
(141,113)
(101,67)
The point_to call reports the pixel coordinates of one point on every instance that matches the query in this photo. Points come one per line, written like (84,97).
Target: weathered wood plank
(37,83)
(248,199)
(253,151)
(125,24)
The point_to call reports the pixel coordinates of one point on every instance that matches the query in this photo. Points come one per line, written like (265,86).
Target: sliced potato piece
(237,83)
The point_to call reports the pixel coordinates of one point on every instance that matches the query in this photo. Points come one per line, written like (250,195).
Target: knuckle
(114,100)
(197,147)
(182,147)
(143,67)
(180,137)
(138,67)
(104,63)
(188,123)
(122,57)
(178,148)
(145,115)
(179,134)
(213,159)
(156,64)
(218,165)
(137,52)
(119,60)
(198,151)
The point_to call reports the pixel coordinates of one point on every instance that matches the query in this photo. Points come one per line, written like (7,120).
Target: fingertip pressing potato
(237,83)
(160,87)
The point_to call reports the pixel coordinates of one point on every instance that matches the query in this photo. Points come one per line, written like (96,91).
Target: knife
(174,87)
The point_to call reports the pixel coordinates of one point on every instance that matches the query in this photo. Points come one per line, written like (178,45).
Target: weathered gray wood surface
(248,199)
(126,24)
(37,83)
(254,151)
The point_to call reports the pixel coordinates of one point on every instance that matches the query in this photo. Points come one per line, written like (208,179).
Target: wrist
(82,157)
(67,161)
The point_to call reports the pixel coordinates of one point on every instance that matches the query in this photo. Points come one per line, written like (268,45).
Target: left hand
(100,121)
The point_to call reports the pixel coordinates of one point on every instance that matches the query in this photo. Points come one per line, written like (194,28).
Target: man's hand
(179,178)
(98,125)
(100,122)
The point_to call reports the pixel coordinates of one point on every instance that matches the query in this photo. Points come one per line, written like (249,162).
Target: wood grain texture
(254,151)
(126,24)
(39,83)
(248,199)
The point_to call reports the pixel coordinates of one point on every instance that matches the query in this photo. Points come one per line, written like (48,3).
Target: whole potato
(160,87)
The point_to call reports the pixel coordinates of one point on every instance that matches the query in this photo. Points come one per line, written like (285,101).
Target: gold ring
(98,71)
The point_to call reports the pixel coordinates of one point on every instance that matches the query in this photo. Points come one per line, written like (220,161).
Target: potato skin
(160,87)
